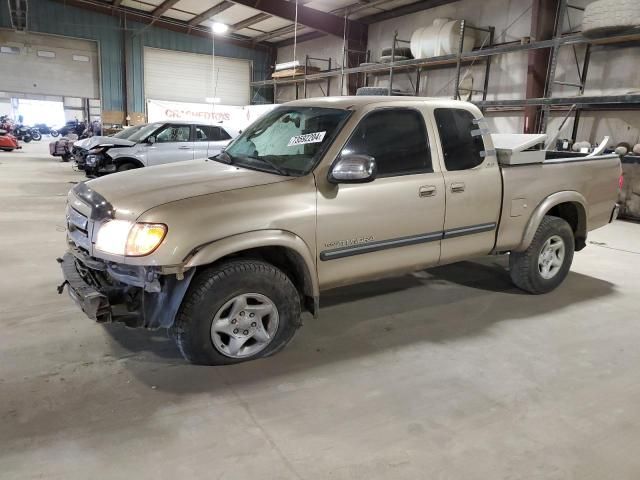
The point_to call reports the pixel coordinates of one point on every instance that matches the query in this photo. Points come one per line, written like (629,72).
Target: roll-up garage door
(188,77)
(36,64)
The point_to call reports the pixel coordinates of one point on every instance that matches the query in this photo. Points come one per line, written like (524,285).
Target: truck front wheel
(545,264)
(237,311)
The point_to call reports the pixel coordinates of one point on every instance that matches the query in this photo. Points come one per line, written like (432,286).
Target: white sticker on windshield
(315,137)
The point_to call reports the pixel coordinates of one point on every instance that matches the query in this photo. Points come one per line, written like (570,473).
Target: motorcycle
(8,142)
(24,133)
(73,126)
(35,133)
(44,129)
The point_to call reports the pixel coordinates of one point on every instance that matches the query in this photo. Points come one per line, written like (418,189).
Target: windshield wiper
(269,162)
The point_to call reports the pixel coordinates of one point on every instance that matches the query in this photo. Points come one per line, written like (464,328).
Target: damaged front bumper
(111,292)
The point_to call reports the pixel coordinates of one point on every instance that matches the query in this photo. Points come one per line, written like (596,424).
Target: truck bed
(525,186)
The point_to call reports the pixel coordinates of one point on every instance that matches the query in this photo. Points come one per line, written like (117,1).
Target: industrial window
(396,138)
(461,138)
(210,133)
(46,54)
(80,58)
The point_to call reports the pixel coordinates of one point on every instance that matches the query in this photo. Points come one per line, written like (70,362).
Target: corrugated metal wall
(47,16)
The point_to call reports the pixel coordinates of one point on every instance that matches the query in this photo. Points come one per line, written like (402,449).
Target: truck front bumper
(127,296)
(94,304)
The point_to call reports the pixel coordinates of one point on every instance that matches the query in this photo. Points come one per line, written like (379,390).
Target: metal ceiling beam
(162,22)
(301,38)
(116,3)
(163,7)
(247,22)
(207,14)
(404,10)
(361,5)
(322,21)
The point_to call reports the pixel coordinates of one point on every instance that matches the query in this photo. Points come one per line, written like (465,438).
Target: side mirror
(353,168)
(151,140)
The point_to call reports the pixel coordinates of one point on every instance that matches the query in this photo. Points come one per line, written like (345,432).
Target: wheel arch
(120,160)
(281,248)
(571,206)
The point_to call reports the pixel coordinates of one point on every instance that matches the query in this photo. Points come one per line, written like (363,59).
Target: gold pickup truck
(229,251)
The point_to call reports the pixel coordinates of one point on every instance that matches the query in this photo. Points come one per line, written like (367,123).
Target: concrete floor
(447,374)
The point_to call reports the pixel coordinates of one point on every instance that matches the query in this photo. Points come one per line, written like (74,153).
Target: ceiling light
(217,27)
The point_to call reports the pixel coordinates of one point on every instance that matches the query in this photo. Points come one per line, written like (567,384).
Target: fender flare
(547,204)
(217,249)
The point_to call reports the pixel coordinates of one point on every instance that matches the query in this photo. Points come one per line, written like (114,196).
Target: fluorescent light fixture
(212,100)
(217,27)
(287,65)
(46,54)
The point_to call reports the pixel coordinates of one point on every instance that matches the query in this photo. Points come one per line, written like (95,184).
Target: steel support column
(543,19)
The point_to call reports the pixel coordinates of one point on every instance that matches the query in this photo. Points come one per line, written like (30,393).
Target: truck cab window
(396,138)
(461,144)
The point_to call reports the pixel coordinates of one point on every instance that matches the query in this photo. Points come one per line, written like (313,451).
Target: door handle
(457,187)
(427,191)
(184,147)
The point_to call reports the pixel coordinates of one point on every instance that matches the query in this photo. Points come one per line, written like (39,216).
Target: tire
(604,17)
(525,268)
(26,139)
(212,293)
(35,135)
(400,52)
(372,91)
(389,58)
(54,133)
(123,167)
(7,149)
(66,157)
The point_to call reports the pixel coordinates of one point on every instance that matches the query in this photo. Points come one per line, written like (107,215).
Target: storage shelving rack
(484,54)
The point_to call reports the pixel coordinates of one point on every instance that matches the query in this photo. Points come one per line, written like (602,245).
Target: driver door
(392,224)
(173,144)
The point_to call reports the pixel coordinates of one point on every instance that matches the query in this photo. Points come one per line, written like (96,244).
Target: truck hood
(93,142)
(133,192)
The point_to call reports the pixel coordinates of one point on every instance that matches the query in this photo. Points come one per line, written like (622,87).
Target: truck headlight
(120,237)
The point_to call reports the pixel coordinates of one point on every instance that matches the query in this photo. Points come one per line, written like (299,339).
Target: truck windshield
(287,140)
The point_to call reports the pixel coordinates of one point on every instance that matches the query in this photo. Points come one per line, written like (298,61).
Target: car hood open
(133,192)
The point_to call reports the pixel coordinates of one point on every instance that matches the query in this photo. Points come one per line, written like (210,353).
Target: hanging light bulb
(217,27)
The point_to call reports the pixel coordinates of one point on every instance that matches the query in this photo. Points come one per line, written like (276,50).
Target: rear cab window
(461,138)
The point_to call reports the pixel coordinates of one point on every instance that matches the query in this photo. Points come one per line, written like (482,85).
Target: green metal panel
(47,16)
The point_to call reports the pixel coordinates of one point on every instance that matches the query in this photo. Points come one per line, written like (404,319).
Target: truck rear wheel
(237,311)
(545,264)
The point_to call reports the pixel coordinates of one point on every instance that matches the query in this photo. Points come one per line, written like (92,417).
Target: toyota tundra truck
(228,252)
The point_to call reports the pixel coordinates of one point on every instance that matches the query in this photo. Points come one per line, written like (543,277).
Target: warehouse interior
(432,340)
